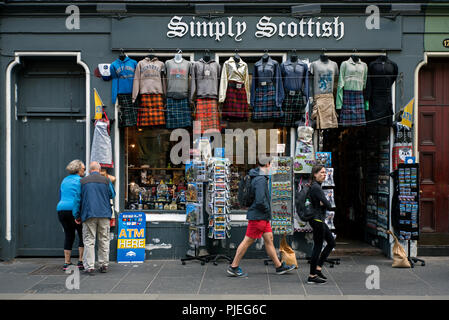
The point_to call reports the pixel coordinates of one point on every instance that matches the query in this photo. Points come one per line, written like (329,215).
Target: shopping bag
(287,254)
(400,259)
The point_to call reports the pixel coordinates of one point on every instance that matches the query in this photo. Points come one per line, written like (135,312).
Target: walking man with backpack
(257,197)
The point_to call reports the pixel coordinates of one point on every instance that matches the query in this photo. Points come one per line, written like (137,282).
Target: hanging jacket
(122,75)
(264,73)
(295,77)
(237,72)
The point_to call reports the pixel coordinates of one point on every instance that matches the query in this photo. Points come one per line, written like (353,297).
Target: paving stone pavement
(36,278)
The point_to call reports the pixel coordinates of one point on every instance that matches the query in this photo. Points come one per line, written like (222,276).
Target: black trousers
(68,223)
(321,232)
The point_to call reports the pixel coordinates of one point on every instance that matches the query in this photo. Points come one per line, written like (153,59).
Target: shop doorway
(433,147)
(361,162)
(49,132)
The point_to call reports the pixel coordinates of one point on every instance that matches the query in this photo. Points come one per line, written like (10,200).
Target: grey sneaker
(284,268)
(236,272)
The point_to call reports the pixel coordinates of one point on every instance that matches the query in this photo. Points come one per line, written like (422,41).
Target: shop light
(111,7)
(305,9)
(209,8)
(132,145)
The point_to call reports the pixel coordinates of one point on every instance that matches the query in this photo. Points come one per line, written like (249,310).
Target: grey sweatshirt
(149,77)
(205,79)
(178,78)
(325,76)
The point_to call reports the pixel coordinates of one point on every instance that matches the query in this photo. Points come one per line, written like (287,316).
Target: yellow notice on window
(407,116)
(98,105)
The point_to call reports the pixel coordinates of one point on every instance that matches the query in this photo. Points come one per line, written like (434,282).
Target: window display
(350,99)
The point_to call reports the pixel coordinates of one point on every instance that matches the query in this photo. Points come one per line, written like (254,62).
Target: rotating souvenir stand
(218,203)
(406,208)
(281,190)
(195,201)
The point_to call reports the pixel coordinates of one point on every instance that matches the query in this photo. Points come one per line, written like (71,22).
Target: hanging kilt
(207,113)
(178,114)
(293,107)
(127,111)
(353,109)
(151,111)
(265,103)
(235,106)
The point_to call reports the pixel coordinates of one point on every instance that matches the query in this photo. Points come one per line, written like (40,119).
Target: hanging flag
(407,116)
(98,105)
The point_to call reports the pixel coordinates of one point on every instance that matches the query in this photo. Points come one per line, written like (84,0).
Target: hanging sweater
(205,79)
(122,74)
(178,78)
(149,77)
(353,77)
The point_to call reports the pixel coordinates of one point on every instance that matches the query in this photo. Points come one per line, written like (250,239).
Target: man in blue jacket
(95,213)
(259,225)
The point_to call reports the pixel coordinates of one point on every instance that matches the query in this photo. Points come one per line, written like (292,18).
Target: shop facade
(50,63)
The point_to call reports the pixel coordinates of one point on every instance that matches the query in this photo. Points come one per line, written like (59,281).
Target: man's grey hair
(95,166)
(74,166)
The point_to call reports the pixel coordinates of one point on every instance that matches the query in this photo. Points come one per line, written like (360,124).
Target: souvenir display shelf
(282,196)
(378,191)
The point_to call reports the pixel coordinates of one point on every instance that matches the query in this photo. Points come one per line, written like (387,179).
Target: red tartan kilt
(236,103)
(207,113)
(151,111)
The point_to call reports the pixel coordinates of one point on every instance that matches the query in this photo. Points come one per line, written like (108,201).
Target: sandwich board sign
(131,237)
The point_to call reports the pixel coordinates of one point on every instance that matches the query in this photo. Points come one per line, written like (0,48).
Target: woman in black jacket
(321,231)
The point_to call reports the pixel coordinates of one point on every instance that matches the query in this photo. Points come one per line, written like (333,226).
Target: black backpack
(245,194)
(303,204)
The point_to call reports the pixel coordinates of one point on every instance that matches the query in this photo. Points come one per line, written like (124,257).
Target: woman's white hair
(74,166)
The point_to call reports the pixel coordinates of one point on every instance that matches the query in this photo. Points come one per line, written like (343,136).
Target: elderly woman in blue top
(68,206)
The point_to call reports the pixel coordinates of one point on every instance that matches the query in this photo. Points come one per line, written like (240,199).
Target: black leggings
(68,223)
(321,232)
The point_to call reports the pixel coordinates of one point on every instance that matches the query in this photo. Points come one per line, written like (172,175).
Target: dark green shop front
(38,47)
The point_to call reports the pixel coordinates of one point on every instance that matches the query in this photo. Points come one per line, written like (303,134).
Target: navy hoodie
(260,209)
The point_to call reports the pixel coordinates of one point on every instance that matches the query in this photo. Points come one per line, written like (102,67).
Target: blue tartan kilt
(265,103)
(353,109)
(178,113)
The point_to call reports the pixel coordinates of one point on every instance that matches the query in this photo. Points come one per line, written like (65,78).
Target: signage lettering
(266,28)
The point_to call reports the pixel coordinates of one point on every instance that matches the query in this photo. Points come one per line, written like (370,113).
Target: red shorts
(256,228)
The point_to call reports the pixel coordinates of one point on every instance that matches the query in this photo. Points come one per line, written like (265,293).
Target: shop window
(154,182)
(242,163)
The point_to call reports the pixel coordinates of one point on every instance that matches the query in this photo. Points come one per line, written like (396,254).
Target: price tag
(292,93)
(207,73)
(239,85)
